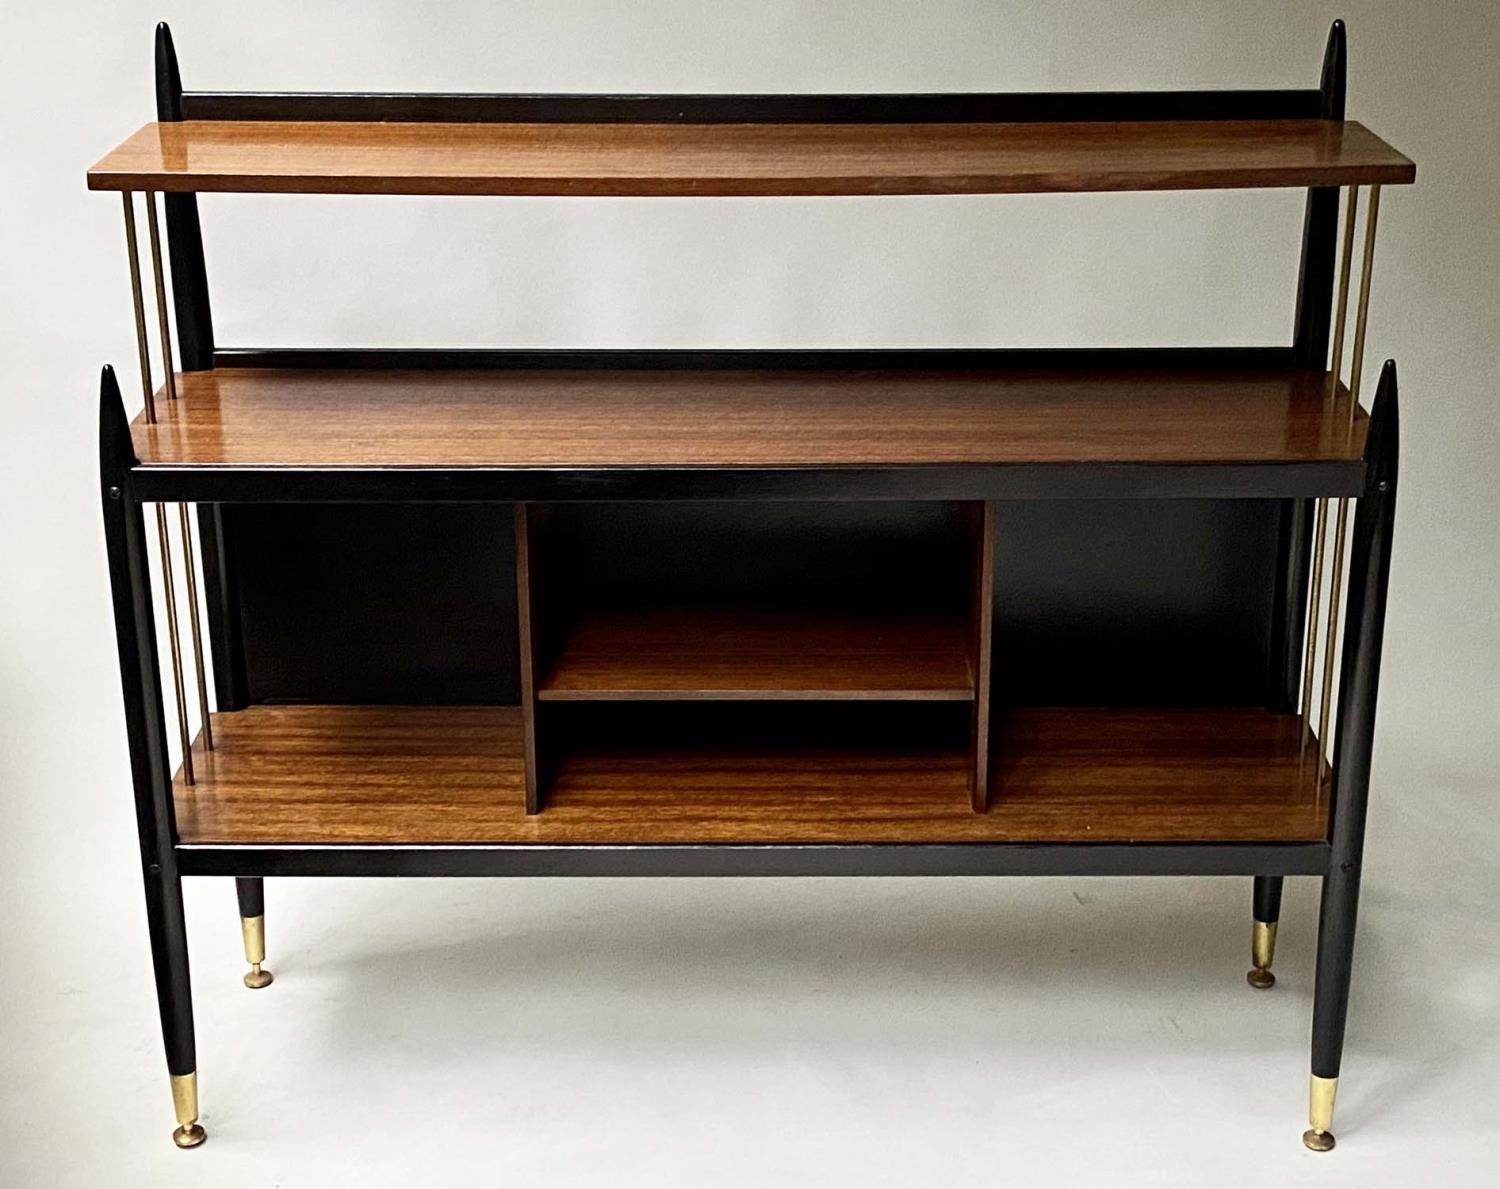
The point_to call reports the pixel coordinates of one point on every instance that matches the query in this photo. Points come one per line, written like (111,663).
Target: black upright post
(1311,333)
(145,729)
(1359,678)
(195,347)
(195,330)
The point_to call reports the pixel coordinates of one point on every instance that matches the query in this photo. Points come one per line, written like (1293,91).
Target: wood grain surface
(745,159)
(786,652)
(264,417)
(319,774)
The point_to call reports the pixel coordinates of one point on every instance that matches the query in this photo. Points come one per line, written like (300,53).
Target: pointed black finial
(1381,445)
(1335,72)
(116,451)
(168,77)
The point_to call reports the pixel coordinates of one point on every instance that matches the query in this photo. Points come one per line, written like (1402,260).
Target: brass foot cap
(1318,1141)
(1260,978)
(258,978)
(189,1136)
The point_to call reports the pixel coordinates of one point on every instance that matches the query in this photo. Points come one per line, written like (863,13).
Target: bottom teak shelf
(320,775)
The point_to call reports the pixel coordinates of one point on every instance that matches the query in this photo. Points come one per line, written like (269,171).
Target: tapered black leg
(135,631)
(1263,933)
(1359,676)
(252,897)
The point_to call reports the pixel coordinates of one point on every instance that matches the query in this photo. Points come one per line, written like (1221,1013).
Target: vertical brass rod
(1336,579)
(1330,647)
(189,562)
(1341,315)
(165,544)
(142,350)
(1320,536)
(162,320)
(1360,318)
(190,566)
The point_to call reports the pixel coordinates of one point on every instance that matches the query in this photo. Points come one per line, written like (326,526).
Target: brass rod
(165,544)
(1360,318)
(1320,537)
(132,249)
(1330,646)
(1336,579)
(190,565)
(163,322)
(1341,315)
(189,561)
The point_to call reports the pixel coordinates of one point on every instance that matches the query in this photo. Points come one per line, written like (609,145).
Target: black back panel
(756,551)
(376,603)
(1145,602)
(1097,601)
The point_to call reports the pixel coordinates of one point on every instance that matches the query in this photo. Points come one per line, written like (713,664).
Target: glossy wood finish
(264,417)
(779,652)
(527,662)
(982,644)
(311,775)
(745,159)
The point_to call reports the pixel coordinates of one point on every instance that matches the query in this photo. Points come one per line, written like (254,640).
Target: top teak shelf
(680,159)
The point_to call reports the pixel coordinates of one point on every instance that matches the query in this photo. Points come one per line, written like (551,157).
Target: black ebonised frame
(126,487)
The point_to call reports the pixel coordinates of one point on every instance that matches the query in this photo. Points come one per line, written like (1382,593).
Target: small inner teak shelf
(319,775)
(771,651)
(748,417)
(352,157)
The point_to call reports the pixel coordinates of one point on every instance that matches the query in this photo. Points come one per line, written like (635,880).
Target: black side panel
(377,604)
(1165,602)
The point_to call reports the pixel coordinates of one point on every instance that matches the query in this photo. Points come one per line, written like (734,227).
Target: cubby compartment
(364,604)
(743,603)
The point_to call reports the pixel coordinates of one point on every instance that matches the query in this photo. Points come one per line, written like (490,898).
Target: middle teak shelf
(764,652)
(585,412)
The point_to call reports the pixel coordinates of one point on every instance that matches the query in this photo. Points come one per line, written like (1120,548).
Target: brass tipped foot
(189,1136)
(1260,978)
(1321,1095)
(256,978)
(189,1133)
(253,930)
(1262,950)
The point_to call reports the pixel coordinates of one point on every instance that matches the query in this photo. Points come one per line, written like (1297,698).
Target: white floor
(761,1032)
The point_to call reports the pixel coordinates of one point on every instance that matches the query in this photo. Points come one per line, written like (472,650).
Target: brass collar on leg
(1262,950)
(253,930)
(1321,1095)
(185,1104)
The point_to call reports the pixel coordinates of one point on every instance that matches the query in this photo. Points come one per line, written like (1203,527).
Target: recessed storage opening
(397,604)
(742,603)
(1130,603)
(1133,666)
(756,670)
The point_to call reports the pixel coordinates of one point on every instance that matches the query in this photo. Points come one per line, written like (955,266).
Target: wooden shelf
(599,418)
(339,157)
(334,775)
(767,652)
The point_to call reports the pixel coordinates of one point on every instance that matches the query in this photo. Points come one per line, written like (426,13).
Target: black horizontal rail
(283,484)
(817,359)
(897,859)
(975,107)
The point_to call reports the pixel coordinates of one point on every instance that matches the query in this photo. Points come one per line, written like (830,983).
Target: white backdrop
(84,1087)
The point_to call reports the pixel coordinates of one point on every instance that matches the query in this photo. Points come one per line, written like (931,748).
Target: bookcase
(752,612)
